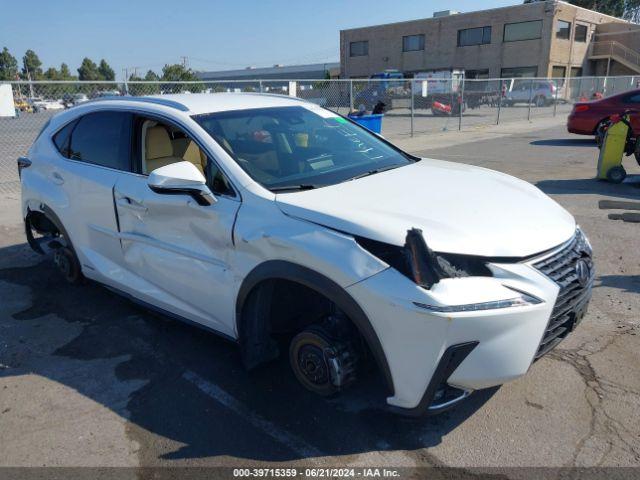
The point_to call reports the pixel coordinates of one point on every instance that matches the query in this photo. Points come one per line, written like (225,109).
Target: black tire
(68,265)
(540,101)
(616,174)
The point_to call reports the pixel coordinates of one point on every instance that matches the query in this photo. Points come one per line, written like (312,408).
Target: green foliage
(31,66)
(105,71)
(8,65)
(152,76)
(627,9)
(88,70)
(65,73)
(178,73)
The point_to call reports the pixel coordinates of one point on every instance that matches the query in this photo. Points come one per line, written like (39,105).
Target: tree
(65,73)
(51,74)
(31,66)
(8,65)
(88,71)
(627,9)
(105,71)
(178,73)
(152,76)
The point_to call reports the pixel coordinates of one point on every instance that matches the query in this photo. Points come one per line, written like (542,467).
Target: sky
(213,35)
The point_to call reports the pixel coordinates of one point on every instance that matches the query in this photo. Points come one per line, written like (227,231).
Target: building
(544,38)
(277,72)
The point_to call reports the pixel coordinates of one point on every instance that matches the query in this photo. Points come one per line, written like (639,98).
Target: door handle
(131,204)
(57,178)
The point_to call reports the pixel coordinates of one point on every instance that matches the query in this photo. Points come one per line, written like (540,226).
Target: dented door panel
(179,250)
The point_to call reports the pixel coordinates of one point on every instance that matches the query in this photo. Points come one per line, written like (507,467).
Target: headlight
(583,242)
(522,300)
(419,263)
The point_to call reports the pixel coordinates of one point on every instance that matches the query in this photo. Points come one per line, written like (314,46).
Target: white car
(283,226)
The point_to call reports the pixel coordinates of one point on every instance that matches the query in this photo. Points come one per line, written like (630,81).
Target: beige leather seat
(158,149)
(194,155)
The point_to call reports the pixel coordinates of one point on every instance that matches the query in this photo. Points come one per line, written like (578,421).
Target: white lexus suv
(285,227)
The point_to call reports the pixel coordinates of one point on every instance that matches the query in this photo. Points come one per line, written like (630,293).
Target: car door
(178,253)
(96,151)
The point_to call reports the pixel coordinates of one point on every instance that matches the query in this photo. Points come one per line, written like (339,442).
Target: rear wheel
(322,362)
(68,264)
(616,174)
(540,101)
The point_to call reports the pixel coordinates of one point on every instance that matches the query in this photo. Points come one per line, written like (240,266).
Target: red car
(587,118)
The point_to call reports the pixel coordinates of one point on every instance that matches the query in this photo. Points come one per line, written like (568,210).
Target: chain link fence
(412,106)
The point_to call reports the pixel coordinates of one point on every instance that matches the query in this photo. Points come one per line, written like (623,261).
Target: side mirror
(181,178)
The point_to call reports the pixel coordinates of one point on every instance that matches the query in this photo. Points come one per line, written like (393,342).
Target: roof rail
(155,100)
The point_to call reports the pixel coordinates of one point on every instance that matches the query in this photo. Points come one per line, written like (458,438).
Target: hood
(459,208)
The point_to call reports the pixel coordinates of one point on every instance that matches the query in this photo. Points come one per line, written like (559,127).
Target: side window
(61,139)
(633,98)
(161,144)
(102,138)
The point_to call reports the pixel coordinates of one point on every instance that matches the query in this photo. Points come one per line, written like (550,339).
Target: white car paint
(461,209)
(191,260)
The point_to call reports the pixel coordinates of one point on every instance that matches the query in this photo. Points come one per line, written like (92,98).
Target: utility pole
(185,61)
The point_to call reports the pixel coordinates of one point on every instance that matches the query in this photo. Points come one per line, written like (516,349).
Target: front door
(177,253)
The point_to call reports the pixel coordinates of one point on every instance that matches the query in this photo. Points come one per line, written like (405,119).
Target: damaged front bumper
(437,358)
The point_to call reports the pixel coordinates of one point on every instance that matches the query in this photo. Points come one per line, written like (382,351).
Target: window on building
(559,73)
(412,43)
(519,72)
(474,36)
(359,49)
(102,138)
(514,32)
(563,30)
(476,74)
(581,33)
(576,72)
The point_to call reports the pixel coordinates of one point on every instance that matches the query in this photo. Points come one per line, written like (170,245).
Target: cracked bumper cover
(415,341)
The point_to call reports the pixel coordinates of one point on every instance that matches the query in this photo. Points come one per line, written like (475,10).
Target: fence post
(555,102)
(500,86)
(530,99)
(351,95)
(412,104)
(260,86)
(460,104)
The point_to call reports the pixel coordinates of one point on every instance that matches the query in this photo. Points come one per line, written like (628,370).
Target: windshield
(299,147)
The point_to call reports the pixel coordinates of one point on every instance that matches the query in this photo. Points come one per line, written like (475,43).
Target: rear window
(102,138)
(61,139)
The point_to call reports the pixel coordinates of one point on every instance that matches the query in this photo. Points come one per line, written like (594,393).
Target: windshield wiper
(372,172)
(292,188)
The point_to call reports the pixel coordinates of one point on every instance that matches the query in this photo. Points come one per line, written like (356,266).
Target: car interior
(164,144)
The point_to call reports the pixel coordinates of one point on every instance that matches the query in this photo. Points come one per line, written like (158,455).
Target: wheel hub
(312,364)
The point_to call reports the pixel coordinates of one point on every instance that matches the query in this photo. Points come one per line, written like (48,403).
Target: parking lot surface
(88,378)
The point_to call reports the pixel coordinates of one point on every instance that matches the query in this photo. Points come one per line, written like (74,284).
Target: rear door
(177,253)
(95,152)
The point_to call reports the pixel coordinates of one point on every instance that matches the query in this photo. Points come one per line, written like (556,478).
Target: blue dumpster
(371,122)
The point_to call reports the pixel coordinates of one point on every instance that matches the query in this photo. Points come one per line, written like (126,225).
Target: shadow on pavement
(628,283)
(171,414)
(565,142)
(629,189)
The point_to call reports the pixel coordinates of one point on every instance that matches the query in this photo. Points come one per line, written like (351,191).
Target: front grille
(573,295)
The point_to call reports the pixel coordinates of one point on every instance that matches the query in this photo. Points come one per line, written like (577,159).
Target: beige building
(547,38)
